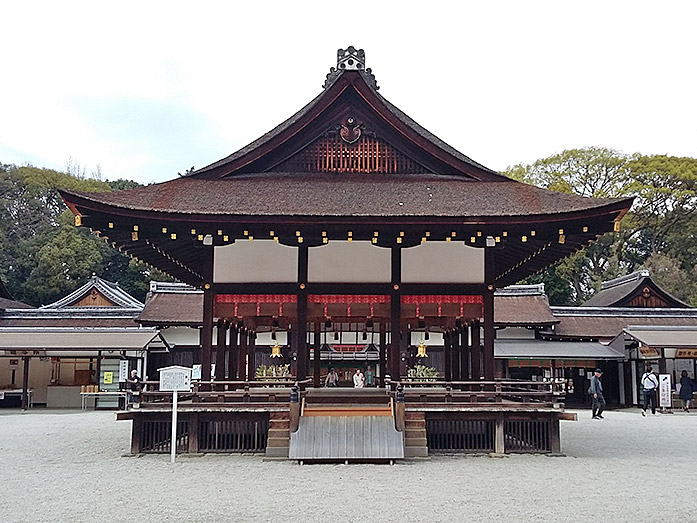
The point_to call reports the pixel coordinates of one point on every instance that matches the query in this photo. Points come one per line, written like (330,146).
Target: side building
(80,340)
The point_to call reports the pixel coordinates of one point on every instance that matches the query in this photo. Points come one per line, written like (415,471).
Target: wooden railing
(511,392)
(277,391)
(267,391)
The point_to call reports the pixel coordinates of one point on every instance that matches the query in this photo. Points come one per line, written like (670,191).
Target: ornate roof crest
(350,59)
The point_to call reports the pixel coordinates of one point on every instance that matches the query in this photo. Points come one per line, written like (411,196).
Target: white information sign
(196,372)
(175,378)
(665,396)
(123,371)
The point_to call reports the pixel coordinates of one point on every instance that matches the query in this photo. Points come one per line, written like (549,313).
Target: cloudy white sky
(149,89)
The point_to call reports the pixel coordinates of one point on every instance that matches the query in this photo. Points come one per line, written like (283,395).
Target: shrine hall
(349,217)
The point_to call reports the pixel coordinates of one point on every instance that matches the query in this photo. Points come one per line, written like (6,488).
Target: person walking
(596,392)
(649,382)
(687,387)
(332,379)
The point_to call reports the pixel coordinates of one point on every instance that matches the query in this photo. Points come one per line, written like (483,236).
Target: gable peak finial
(350,59)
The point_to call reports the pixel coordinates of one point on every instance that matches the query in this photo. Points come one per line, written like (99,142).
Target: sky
(144,90)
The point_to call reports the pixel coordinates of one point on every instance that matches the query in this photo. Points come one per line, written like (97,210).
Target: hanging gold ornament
(276,350)
(421,350)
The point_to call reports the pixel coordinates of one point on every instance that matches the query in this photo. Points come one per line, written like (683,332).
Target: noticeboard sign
(665,397)
(175,378)
(123,371)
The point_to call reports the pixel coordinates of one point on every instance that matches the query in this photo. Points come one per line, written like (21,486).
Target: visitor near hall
(596,392)
(649,381)
(358,379)
(332,379)
(687,387)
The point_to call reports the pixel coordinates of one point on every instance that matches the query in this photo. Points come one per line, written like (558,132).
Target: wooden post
(383,352)
(499,435)
(194,423)
(317,378)
(208,299)
(25,384)
(476,350)
(301,337)
(489,331)
(233,356)
(220,352)
(136,433)
(447,355)
(242,353)
(554,435)
(457,376)
(301,349)
(395,314)
(251,355)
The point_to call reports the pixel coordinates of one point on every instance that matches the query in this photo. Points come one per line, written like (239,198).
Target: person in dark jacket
(596,392)
(687,387)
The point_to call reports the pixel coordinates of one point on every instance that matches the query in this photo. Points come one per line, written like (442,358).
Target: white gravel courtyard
(70,466)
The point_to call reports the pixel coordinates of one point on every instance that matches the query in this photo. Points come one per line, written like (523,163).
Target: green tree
(43,256)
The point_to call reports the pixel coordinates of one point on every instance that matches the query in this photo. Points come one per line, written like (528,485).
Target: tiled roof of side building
(613,292)
(606,322)
(110,290)
(522,305)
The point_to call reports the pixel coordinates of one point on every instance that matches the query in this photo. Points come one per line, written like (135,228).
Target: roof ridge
(636,275)
(536,289)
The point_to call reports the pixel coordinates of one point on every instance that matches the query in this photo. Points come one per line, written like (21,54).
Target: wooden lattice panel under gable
(368,154)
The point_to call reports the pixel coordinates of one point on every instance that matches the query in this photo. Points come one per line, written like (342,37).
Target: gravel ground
(71,466)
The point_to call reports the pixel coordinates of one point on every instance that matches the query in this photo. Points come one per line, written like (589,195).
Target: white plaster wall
(442,262)
(349,262)
(255,262)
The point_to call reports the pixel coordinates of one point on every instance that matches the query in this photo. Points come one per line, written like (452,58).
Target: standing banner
(665,391)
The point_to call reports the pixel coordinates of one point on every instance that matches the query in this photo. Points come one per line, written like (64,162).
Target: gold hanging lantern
(276,350)
(421,350)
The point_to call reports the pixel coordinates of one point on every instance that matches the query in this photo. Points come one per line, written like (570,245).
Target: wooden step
(277,452)
(281,424)
(347,410)
(415,452)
